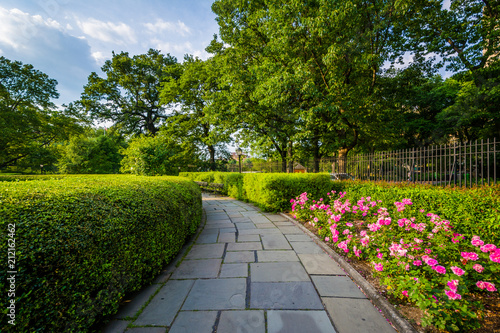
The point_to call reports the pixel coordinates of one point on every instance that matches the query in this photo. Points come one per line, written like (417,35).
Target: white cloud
(18,27)
(166,47)
(109,32)
(99,57)
(160,26)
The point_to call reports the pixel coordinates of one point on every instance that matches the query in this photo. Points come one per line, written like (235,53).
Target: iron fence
(467,164)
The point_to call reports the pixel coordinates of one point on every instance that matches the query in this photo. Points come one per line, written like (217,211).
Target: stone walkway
(250,271)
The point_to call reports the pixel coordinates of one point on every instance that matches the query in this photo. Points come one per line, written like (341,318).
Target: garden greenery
(418,254)
(83,242)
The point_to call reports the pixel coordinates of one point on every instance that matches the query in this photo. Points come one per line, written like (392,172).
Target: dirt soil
(490,323)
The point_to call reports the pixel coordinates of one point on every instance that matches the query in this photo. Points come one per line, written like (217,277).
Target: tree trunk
(316,156)
(342,162)
(211,151)
(290,157)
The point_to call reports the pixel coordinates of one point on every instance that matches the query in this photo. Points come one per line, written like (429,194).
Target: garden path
(249,271)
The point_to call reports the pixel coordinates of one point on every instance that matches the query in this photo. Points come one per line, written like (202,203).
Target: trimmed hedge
(270,191)
(83,242)
(473,211)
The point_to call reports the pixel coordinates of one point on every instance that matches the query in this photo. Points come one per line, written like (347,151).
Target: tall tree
(316,60)
(467,37)
(193,92)
(130,93)
(29,120)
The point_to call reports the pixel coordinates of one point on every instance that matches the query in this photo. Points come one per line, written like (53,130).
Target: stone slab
(239,257)
(290,230)
(284,295)
(275,242)
(260,231)
(206,251)
(233,270)
(265,226)
(276,218)
(306,247)
(270,256)
(219,225)
(281,321)
(278,272)
(136,302)
(207,238)
(223,230)
(146,330)
(241,219)
(244,225)
(248,246)
(115,326)
(284,224)
(259,219)
(249,238)
(217,294)
(320,264)
(227,237)
(194,321)
(298,238)
(197,269)
(356,315)
(242,321)
(336,286)
(164,306)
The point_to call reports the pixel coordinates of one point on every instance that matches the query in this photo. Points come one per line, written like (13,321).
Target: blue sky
(69,39)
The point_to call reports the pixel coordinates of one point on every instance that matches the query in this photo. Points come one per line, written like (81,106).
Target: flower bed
(415,253)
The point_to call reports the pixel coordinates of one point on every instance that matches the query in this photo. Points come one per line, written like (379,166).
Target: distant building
(299,168)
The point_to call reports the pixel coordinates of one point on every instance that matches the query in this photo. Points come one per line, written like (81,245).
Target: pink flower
(349,224)
(452,295)
(379,267)
(490,286)
(495,256)
(417,263)
(315,219)
(362,233)
(327,239)
(457,270)
(346,232)
(481,284)
(405,292)
(428,251)
(476,241)
(439,269)
(453,284)
(488,248)
(478,268)
(380,255)
(432,262)
(469,255)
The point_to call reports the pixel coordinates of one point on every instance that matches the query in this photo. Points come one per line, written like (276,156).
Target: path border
(388,310)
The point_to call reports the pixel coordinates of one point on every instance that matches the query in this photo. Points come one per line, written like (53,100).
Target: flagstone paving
(249,271)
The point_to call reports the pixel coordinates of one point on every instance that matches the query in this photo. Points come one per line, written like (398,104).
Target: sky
(69,39)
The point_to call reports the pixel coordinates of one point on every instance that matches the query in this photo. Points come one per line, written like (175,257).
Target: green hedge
(82,242)
(473,211)
(270,191)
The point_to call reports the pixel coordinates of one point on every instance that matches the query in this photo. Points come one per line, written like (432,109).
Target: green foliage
(29,122)
(270,191)
(95,152)
(194,91)
(83,242)
(130,93)
(158,155)
(419,255)
(473,211)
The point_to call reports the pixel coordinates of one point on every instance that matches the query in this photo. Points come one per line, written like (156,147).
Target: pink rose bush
(414,252)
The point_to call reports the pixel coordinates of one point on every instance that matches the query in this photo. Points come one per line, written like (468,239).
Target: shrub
(419,255)
(82,242)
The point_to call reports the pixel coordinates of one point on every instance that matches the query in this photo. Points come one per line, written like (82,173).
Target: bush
(270,191)
(419,255)
(83,242)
